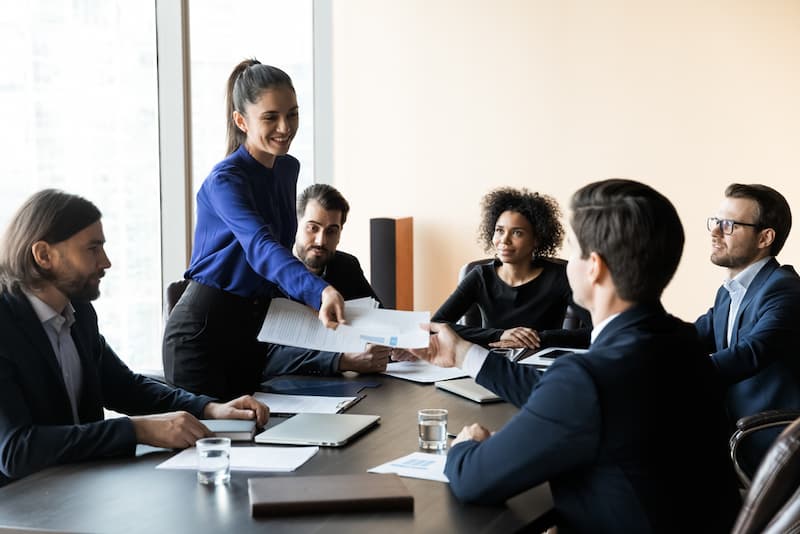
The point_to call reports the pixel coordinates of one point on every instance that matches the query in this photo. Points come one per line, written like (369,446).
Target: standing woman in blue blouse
(242,245)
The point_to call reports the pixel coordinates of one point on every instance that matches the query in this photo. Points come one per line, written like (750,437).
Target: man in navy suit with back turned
(56,371)
(631,435)
(753,330)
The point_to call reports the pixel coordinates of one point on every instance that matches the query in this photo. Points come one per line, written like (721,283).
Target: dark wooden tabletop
(130,495)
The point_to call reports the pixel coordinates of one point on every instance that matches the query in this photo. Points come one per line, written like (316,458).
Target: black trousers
(210,342)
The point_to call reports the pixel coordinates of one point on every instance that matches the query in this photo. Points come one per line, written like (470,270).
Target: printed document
(294,324)
(291,404)
(258,458)
(416,465)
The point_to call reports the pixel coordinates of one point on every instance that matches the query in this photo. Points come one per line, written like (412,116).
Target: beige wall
(438,101)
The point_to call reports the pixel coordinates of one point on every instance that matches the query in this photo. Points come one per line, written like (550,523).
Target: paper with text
(294,324)
(290,404)
(258,458)
(416,465)
(422,371)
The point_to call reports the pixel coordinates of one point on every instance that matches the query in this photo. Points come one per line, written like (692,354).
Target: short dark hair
(49,215)
(635,229)
(328,197)
(542,212)
(245,84)
(773,210)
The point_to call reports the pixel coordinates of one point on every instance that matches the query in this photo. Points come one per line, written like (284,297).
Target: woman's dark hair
(773,210)
(542,212)
(245,84)
(328,197)
(635,229)
(49,215)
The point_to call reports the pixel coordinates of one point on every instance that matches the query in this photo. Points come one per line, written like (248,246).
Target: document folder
(276,496)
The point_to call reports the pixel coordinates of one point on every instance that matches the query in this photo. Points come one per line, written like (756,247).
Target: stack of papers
(416,465)
(273,459)
(297,325)
(293,404)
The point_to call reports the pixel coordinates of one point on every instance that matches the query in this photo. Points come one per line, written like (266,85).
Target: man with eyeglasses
(753,333)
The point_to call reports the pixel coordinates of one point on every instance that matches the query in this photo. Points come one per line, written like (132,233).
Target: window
(78,112)
(222,34)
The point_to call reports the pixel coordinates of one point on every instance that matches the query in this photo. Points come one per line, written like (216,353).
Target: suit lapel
(754,289)
(721,309)
(33,330)
(90,392)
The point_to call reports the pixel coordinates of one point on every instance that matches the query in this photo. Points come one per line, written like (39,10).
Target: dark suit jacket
(344,273)
(36,425)
(630,435)
(761,367)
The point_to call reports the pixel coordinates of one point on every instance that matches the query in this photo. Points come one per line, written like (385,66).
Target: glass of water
(213,461)
(432,429)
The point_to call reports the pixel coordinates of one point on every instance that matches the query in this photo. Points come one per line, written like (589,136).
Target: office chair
(752,424)
(472,317)
(772,504)
(172,296)
(174,292)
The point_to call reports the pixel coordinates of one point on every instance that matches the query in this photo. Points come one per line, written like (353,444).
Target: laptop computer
(468,388)
(322,429)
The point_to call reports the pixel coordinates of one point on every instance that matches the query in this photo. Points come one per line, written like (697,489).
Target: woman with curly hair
(524,289)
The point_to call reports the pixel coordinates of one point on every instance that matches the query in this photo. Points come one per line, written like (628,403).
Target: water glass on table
(213,461)
(432,424)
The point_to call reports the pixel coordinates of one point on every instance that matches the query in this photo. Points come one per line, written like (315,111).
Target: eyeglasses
(725,225)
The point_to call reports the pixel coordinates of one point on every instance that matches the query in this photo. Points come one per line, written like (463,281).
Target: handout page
(422,371)
(291,404)
(259,458)
(416,465)
(297,325)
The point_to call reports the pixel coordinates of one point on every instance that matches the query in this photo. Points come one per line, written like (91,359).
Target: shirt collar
(45,313)
(600,327)
(746,277)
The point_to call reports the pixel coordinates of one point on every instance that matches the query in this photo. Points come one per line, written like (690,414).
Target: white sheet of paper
(280,403)
(416,465)
(421,371)
(294,324)
(276,459)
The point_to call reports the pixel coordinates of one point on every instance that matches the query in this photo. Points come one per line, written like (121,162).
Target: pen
(451,435)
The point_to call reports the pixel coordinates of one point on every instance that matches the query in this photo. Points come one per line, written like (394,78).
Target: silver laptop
(323,429)
(468,388)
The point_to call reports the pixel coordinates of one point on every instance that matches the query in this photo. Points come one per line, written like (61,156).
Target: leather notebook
(235,429)
(277,496)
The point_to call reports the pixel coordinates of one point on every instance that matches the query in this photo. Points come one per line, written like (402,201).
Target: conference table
(130,495)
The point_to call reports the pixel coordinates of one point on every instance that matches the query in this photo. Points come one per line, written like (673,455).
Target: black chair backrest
(772,504)
(174,292)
